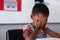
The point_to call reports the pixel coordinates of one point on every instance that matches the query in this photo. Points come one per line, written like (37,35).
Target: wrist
(41,28)
(46,29)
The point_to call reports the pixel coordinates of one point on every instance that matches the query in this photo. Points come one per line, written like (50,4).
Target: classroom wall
(5,27)
(24,15)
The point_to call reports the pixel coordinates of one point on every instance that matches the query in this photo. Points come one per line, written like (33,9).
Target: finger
(43,19)
(43,22)
(40,20)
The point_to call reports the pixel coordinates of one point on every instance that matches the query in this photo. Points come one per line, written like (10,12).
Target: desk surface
(48,39)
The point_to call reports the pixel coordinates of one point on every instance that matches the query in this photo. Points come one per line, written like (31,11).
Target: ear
(32,16)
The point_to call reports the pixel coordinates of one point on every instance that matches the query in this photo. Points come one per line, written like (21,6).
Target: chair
(15,34)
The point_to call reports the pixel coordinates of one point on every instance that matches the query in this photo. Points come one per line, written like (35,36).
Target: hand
(41,23)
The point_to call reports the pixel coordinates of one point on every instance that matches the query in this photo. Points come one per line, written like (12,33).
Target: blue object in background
(8,6)
(13,6)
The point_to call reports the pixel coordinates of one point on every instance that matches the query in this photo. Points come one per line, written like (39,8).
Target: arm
(30,36)
(52,33)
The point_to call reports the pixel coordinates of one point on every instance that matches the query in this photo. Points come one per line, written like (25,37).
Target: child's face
(38,19)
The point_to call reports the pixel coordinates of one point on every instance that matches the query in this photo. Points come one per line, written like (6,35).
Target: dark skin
(39,22)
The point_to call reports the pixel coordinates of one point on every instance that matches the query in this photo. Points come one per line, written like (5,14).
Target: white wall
(4,28)
(24,15)
(18,17)
(54,8)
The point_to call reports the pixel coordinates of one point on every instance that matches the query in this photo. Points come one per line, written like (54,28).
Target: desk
(48,39)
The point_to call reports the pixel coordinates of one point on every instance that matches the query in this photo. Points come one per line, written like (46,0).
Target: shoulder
(26,27)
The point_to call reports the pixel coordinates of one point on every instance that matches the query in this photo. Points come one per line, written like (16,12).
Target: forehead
(39,15)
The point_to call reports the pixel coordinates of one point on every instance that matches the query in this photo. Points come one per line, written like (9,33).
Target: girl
(38,29)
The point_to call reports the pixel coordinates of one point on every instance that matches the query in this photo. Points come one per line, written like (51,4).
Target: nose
(37,20)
